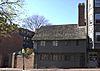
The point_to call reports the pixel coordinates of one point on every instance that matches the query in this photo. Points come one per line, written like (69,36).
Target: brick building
(8,45)
(14,44)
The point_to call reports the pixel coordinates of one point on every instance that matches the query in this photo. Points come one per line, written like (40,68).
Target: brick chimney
(81,14)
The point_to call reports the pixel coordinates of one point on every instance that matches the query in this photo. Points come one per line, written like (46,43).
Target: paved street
(15,69)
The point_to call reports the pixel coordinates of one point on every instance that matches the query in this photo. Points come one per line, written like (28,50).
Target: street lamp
(23,52)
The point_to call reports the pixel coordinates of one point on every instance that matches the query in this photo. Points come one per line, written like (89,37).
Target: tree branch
(6,15)
(35,22)
(9,2)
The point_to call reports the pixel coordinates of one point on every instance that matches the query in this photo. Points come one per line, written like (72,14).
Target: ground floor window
(54,57)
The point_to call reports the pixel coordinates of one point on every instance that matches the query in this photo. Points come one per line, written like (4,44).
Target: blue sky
(56,11)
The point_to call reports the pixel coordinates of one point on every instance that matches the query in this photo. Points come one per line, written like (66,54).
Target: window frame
(42,43)
(55,43)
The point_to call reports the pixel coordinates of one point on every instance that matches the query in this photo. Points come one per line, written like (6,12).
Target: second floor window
(55,43)
(42,43)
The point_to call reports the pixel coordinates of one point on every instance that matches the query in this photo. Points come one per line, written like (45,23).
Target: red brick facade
(8,45)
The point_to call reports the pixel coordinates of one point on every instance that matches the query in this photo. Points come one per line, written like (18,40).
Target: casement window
(42,43)
(35,44)
(53,57)
(55,43)
(43,56)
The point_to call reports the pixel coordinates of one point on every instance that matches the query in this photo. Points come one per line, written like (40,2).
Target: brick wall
(11,44)
(8,45)
(28,61)
(81,14)
(0,60)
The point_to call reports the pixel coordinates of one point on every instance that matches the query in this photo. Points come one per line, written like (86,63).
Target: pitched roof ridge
(58,25)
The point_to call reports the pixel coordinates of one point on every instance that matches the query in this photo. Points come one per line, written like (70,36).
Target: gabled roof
(60,32)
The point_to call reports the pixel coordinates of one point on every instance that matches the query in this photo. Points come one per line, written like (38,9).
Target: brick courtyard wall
(19,61)
(28,61)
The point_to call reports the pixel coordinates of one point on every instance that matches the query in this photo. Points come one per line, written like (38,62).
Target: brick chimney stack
(81,14)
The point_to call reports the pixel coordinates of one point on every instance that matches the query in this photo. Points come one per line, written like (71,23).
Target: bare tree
(35,21)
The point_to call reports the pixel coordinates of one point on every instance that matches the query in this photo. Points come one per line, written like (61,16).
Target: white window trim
(42,43)
(55,43)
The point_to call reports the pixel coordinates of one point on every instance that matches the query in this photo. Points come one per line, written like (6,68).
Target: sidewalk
(16,69)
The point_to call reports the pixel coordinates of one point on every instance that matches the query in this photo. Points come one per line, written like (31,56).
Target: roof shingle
(60,32)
